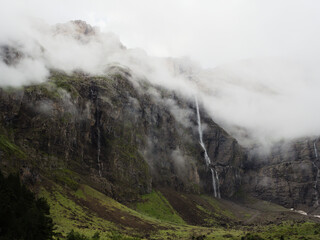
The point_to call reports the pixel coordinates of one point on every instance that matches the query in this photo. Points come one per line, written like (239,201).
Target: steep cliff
(121,136)
(288,175)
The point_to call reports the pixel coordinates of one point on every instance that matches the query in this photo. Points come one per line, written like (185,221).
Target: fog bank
(253,66)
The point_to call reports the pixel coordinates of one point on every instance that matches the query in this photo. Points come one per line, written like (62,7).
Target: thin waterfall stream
(99,149)
(98,142)
(215,178)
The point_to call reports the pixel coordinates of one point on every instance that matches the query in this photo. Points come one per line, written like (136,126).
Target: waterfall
(98,141)
(317,176)
(206,157)
(218,184)
(215,178)
(214,184)
(98,149)
(94,97)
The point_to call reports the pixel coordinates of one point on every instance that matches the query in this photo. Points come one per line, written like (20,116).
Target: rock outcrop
(288,175)
(122,137)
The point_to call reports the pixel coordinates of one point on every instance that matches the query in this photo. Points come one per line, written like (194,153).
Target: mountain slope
(79,140)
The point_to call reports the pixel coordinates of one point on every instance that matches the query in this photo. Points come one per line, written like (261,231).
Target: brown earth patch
(196,210)
(193,209)
(116,216)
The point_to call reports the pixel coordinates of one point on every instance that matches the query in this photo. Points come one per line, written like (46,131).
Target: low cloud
(259,100)
(179,162)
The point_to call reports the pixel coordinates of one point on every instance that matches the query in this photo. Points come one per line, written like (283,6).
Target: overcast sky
(263,54)
(211,32)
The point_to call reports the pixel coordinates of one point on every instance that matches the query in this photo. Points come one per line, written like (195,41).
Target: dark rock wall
(118,137)
(287,176)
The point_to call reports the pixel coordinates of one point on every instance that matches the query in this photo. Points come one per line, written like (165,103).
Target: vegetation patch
(78,236)
(66,177)
(87,211)
(65,82)
(22,216)
(45,90)
(219,210)
(69,216)
(289,230)
(156,205)
(10,148)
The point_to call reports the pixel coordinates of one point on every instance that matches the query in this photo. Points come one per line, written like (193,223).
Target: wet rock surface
(120,136)
(287,176)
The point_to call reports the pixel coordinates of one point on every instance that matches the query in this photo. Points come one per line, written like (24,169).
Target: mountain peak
(78,29)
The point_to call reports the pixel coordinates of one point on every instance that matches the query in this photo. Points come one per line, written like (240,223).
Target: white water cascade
(215,178)
(317,177)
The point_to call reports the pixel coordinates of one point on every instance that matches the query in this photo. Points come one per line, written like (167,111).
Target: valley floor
(167,214)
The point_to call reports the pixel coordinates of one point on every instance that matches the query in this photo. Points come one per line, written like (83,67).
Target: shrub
(22,216)
(77,236)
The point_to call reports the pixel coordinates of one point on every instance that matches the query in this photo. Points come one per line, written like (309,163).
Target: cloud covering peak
(263,82)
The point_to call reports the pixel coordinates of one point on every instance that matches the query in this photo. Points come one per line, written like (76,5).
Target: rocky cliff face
(288,176)
(123,137)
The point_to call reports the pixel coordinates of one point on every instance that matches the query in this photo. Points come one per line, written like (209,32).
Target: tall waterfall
(98,141)
(99,149)
(317,176)
(215,178)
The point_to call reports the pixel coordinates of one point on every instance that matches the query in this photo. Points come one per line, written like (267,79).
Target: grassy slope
(157,206)
(10,148)
(74,210)
(69,214)
(87,211)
